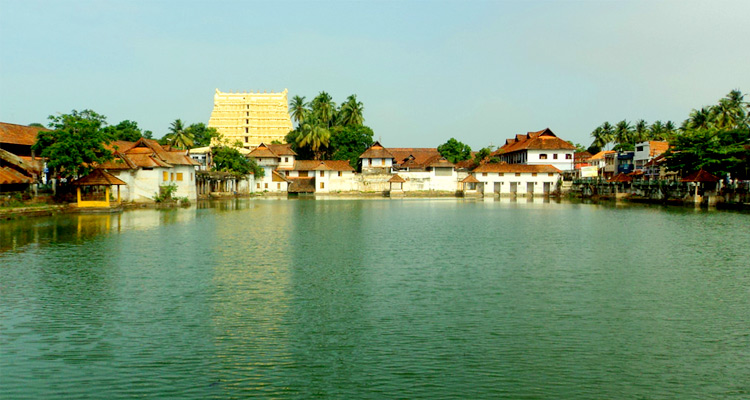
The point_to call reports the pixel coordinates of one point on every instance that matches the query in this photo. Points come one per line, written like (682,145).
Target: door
(547,187)
(498,187)
(530,188)
(514,187)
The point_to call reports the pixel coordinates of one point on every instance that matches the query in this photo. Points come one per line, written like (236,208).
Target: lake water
(377,298)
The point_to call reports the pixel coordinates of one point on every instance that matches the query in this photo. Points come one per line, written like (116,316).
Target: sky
(426,71)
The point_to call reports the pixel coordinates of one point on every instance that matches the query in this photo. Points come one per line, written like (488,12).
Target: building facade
(538,148)
(251,118)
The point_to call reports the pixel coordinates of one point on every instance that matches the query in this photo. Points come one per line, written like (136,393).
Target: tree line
(715,137)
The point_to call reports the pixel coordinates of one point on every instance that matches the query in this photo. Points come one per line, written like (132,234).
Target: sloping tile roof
(19,134)
(282,149)
(145,153)
(99,177)
(301,185)
(396,179)
(440,162)
(10,176)
(414,157)
(322,165)
(376,151)
(600,155)
(512,168)
(470,179)
(621,178)
(701,176)
(540,140)
(24,163)
(262,151)
(466,164)
(277,177)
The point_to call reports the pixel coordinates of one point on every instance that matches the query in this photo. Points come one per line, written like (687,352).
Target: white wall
(561,162)
(506,178)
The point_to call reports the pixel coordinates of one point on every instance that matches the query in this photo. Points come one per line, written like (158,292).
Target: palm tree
(700,119)
(607,132)
(623,135)
(178,137)
(601,135)
(656,132)
(669,131)
(299,109)
(640,131)
(314,136)
(324,109)
(351,112)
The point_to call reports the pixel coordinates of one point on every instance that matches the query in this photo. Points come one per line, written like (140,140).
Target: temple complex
(251,118)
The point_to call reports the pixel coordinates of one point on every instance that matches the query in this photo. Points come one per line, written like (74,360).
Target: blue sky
(426,71)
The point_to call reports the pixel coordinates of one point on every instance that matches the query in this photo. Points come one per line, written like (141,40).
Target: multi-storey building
(538,148)
(251,118)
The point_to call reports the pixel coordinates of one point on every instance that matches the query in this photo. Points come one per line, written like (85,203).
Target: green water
(377,299)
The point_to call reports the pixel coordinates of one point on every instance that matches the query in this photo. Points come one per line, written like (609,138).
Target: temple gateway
(251,118)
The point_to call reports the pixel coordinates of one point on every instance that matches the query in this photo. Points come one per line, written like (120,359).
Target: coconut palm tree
(640,131)
(700,119)
(656,132)
(299,109)
(178,137)
(324,109)
(622,134)
(351,112)
(669,131)
(315,137)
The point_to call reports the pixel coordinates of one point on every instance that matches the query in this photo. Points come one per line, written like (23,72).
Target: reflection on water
(383,298)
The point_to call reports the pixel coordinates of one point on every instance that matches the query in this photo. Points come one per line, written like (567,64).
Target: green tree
(178,137)
(716,151)
(75,144)
(201,134)
(36,125)
(483,153)
(603,135)
(323,110)
(229,159)
(299,109)
(314,137)
(454,151)
(640,131)
(126,130)
(351,112)
(623,136)
(349,142)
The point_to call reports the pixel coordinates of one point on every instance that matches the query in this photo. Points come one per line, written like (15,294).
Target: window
(500,174)
(247,130)
(265,185)
(518,174)
(484,174)
(639,148)
(322,174)
(302,173)
(179,177)
(246,139)
(554,156)
(278,186)
(550,174)
(339,173)
(247,122)
(286,173)
(322,185)
(165,175)
(257,185)
(533,174)
(382,162)
(147,169)
(542,156)
(286,159)
(568,156)
(171,176)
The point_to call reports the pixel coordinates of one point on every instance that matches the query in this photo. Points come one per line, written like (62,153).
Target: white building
(517,179)
(147,168)
(323,176)
(376,159)
(273,157)
(538,148)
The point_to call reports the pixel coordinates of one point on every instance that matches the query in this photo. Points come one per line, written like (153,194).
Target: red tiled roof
(322,165)
(376,151)
(701,176)
(145,153)
(99,177)
(396,179)
(301,184)
(414,157)
(262,151)
(19,134)
(600,155)
(277,177)
(540,140)
(621,178)
(282,149)
(440,162)
(10,176)
(470,179)
(511,168)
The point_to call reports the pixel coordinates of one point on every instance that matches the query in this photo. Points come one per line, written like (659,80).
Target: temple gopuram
(251,118)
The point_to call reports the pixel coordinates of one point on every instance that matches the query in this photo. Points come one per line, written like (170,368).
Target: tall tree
(349,142)
(126,130)
(315,137)
(454,151)
(299,109)
(75,144)
(178,137)
(351,112)
(229,159)
(640,131)
(201,134)
(324,109)
(623,136)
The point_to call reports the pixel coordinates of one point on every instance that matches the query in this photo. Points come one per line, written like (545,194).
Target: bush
(165,192)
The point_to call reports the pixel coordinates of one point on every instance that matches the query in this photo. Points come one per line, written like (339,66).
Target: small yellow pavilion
(95,181)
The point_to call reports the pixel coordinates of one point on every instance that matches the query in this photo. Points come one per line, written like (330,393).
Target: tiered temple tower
(251,118)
